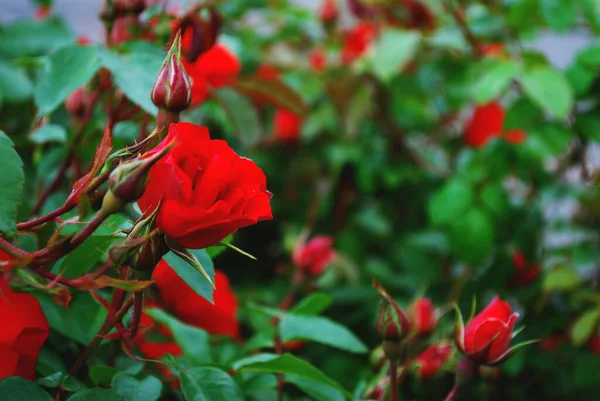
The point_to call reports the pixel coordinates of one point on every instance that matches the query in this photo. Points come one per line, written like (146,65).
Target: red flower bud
(317,60)
(392,323)
(432,359)
(77,101)
(423,316)
(42,12)
(172,89)
(314,256)
(123,28)
(129,6)
(357,42)
(486,338)
(287,125)
(329,11)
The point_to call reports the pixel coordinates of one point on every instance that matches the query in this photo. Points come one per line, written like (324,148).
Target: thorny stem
(109,323)
(138,302)
(394,380)
(11,249)
(38,221)
(452,394)
(59,177)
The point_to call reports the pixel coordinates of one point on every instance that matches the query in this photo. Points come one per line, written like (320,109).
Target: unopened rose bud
(172,89)
(423,316)
(122,29)
(130,6)
(77,101)
(392,322)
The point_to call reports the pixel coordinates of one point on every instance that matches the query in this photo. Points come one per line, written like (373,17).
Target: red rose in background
(432,359)
(524,274)
(152,348)
(423,316)
(317,60)
(314,256)
(487,123)
(214,69)
(287,125)
(357,41)
(267,72)
(328,11)
(181,300)
(6,260)
(487,337)
(24,331)
(207,190)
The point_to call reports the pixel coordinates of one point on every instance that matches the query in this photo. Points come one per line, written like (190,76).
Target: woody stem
(394,380)
(452,394)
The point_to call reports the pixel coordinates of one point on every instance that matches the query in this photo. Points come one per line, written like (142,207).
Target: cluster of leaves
(380,165)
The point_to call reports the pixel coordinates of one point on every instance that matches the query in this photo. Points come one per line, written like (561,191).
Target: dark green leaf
(317,391)
(67,382)
(320,330)
(102,374)
(64,71)
(472,236)
(312,305)
(11,182)
(95,394)
(15,85)
(590,10)
(191,276)
(49,133)
(86,256)
(549,89)
(132,389)
(27,38)
(494,81)
(559,15)
(209,384)
(242,115)
(450,202)
(20,389)
(589,125)
(193,341)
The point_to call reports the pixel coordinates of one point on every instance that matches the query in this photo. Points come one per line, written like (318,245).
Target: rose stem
(394,380)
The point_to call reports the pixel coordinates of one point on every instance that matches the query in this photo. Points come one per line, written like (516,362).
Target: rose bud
(486,123)
(329,11)
(392,322)
(312,257)
(432,359)
(172,89)
(486,338)
(77,101)
(423,316)
(25,329)
(287,125)
(122,29)
(130,6)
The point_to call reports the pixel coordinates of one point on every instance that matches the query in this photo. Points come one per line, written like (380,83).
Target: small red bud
(122,29)
(172,89)
(328,12)
(77,101)
(130,6)
(392,322)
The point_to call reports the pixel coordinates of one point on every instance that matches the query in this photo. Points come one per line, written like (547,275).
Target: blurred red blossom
(423,316)
(486,123)
(328,11)
(432,359)
(317,59)
(524,273)
(313,256)
(287,125)
(356,41)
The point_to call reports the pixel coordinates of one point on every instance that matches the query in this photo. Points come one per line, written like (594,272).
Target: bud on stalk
(172,89)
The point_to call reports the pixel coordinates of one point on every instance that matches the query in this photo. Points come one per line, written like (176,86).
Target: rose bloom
(357,41)
(487,337)
(207,190)
(286,125)
(24,331)
(182,301)
(423,316)
(432,359)
(314,256)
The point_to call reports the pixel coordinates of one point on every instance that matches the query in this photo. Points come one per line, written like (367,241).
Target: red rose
(487,337)
(24,331)
(317,60)
(432,359)
(6,260)
(207,190)
(287,125)
(423,316)
(214,69)
(328,11)
(486,123)
(314,256)
(357,41)
(178,298)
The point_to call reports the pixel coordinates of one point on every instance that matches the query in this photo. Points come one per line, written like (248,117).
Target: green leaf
(11,182)
(86,256)
(29,38)
(312,305)
(590,10)
(209,384)
(67,382)
(290,365)
(64,71)
(320,330)
(132,389)
(191,276)
(472,236)
(15,85)
(193,341)
(102,374)
(20,389)
(394,49)
(242,114)
(95,394)
(495,199)
(450,202)
(551,139)
(561,279)
(134,74)
(549,88)
(589,125)
(560,15)
(216,250)
(584,327)
(494,81)
(317,391)
(80,322)
(49,133)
